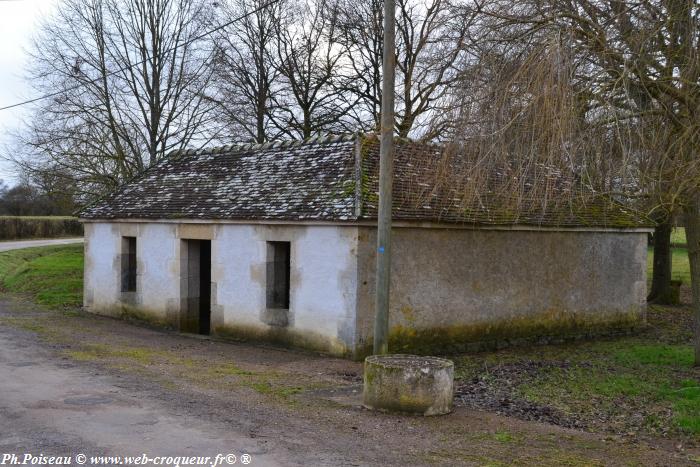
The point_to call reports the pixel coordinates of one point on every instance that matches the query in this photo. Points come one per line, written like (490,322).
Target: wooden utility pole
(386,169)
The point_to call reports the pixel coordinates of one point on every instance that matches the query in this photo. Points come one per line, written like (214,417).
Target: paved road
(51,406)
(17,244)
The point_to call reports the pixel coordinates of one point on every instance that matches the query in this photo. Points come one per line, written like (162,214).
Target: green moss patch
(143,317)
(98,352)
(282,336)
(542,327)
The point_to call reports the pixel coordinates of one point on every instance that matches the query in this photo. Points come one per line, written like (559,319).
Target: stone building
(277,242)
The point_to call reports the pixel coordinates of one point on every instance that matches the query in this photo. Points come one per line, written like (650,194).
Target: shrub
(18,227)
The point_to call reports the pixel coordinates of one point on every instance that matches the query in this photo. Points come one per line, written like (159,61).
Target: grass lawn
(643,384)
(680,269)
(678,236)
(52,276)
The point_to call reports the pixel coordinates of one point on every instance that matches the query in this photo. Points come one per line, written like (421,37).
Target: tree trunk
(692,232)
(661,278)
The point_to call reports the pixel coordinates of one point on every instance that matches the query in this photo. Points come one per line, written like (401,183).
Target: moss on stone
(583,208)
(411,387)
(548,327)
(283,336)
(143,316)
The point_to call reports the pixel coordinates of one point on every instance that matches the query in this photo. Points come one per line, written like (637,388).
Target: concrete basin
(408,384)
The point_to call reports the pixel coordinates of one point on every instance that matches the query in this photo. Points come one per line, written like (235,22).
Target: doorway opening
(197,314)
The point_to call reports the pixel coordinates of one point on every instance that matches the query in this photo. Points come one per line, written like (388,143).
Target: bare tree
(429,43)
(245,85)
(298,68)
(127,79)
(430,39)
(361,34)
(521,116)
(314,94)
(163,69)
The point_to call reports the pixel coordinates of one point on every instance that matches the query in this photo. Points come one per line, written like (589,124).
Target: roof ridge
(239,147)
(437,146)
(318,139)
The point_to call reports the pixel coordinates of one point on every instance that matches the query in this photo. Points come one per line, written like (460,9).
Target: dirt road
(54,407)
(73,383)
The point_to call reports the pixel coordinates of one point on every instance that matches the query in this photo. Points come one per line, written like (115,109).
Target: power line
(124,68)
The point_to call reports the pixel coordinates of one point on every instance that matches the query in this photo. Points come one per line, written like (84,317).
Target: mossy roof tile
(318,180)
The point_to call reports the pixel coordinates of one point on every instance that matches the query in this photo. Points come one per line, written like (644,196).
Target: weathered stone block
(408,384)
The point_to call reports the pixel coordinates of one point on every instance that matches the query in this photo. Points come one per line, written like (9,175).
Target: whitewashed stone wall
(450,287)
(323,278)
(101,276)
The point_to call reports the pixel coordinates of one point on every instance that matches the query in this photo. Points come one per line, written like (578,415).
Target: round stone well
(408,384)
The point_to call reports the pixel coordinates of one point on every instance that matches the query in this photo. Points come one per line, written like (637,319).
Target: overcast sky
(18,23)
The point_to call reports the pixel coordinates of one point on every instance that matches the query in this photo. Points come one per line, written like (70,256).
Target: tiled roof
(437,186)
(320,179)
(303,181)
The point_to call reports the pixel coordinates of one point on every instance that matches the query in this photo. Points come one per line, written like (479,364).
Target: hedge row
(39,227)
